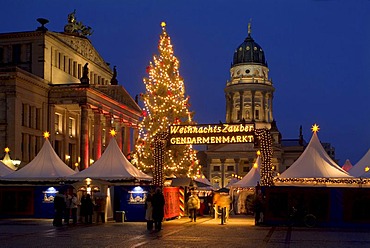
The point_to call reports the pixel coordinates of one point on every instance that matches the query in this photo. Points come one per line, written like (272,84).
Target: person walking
(158,208)
(67,212)
(59,208)
(193,205)
(100,203)
(89,209)
(149,211)
(83,208)
(74,207)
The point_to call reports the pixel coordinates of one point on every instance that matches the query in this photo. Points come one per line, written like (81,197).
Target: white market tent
(251,178)
(46,166)
(359,169)
(4,170)
(9,162)
(347,165)
(313,168)
(203,180)
(112,165)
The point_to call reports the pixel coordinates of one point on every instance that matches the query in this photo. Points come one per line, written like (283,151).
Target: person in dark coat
(158,208)
(59,208)
(89,208)
(83,208)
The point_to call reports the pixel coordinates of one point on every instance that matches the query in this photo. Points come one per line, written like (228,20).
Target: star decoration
(315,128)
(113,132)
(46,134)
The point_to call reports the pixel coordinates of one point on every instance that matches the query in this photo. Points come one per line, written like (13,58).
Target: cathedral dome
(249,52)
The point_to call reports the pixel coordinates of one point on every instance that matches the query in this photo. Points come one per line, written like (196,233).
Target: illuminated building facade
(58,82)
(249,99)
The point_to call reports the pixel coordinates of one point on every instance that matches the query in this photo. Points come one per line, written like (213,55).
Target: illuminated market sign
(206,134)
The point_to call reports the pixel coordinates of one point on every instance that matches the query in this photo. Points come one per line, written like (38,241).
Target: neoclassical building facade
(58,82)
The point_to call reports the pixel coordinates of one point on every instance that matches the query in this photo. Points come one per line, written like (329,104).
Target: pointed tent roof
(112,165)
(202,179)
(4,169)
(360,167)
(46,166)
(314,162)
(251,178)
(347,165)
(232,182)
(8,162)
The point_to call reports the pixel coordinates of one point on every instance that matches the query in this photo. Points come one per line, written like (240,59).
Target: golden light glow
(7,150)
(258,152)
(46,134)
(76,164)
(315,128)
(163,24)
(255,165)
(367,168)
(113,132)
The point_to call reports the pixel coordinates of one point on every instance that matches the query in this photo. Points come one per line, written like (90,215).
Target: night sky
(318,54)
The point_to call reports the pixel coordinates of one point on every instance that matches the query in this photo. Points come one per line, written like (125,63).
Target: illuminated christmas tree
(164,104)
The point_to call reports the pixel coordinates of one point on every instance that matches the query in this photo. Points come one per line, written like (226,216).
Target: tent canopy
(314,163)
(251,178)
(347,165)
(359,169)
(4,170)
(46,166)
(112,165)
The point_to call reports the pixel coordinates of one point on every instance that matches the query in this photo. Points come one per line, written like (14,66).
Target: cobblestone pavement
(239,231)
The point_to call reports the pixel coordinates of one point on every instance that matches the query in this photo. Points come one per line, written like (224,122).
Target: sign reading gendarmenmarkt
(206,134)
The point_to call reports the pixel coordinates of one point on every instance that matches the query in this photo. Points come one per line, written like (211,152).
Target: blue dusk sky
(318,54)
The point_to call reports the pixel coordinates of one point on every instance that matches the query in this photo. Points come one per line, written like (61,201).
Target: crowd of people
(68,207)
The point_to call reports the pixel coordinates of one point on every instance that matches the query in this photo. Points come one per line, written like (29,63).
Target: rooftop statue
(75,27)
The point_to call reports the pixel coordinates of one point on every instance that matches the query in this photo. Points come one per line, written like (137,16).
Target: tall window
(38,118)
(24,114)
(257,116)
(59,60)
(16,55)
(71,127)
(57,123)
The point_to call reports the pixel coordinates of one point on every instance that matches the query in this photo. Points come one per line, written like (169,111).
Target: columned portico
(97,134)
(84,148)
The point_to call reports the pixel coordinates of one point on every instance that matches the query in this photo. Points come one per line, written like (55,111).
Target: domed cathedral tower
(249,92)
(249,98)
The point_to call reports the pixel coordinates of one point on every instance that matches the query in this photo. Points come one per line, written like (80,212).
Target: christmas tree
(164,104)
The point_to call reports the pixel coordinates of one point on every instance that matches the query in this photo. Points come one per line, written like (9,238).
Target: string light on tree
(266,152)
(164,104)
